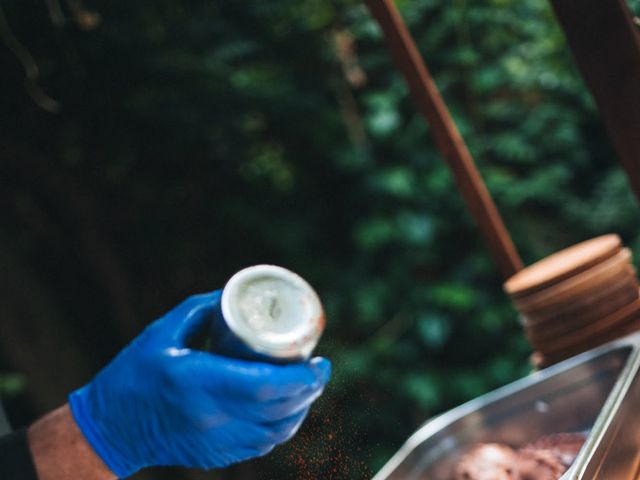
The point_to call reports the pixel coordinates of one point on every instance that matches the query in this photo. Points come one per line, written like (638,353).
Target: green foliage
(11,384)
(198,137)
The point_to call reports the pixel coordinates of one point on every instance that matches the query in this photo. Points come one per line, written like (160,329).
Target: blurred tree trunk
(33,336)
(77,202)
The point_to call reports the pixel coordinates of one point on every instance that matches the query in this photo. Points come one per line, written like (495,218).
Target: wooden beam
(447,137)
(605,42)
(4,423)
(33,336)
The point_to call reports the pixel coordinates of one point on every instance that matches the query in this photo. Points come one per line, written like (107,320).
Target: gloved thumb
(188,318)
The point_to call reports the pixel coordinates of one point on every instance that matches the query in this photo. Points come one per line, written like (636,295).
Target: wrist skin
(60,451)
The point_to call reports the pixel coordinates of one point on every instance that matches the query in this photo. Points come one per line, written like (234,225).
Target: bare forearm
(60,451)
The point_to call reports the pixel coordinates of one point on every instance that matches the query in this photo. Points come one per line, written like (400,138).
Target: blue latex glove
(161,403)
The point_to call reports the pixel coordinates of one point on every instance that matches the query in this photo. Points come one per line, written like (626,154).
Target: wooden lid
(580,285)
(585,304)
(542,360)
(551,330)
(584,336)
(570,310)
(563,264)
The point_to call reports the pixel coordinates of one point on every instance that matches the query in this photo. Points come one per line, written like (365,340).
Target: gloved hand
(161,403)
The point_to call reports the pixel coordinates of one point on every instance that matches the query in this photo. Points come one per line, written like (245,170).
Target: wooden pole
(4,423)
(605,42)
(447,137)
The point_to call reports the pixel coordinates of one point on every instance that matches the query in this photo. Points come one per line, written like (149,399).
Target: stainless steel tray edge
(595,445)
(596,435)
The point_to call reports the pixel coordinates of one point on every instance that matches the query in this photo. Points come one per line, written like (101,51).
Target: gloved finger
(255,381)
(239,436)
(275,382)
(264,436)
(275,410)
(284,429)
(286,381)
(186,319)
(257,452)
(278,410)
(222,459)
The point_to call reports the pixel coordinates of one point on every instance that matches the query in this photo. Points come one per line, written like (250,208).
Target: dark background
(162,146)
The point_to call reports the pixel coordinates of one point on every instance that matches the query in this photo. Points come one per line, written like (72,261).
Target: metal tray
(596,392)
